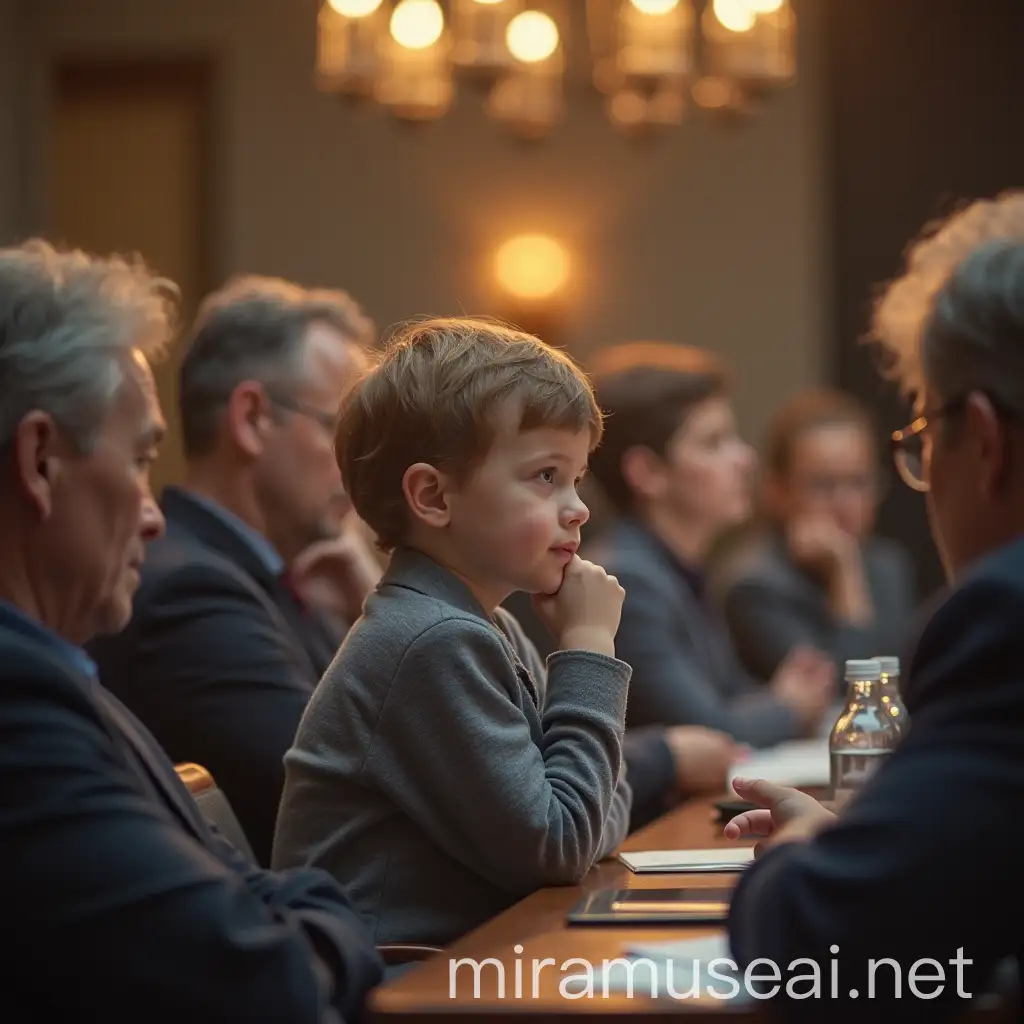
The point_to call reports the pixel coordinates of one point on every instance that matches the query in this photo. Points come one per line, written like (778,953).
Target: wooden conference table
(537,924)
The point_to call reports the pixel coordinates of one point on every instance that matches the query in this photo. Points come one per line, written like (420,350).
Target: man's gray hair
(955,319)
(254,329)
(68,325)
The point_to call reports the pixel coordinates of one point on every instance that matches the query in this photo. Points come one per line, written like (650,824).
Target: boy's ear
(425,490)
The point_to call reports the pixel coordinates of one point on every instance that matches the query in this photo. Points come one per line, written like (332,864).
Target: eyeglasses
(827,488)
(329,421)
(908,444)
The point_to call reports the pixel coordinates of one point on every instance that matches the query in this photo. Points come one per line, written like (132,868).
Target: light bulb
(531,37)
(354,8)
(735,15)
(417,24)
(659,6)
(532,266)
(764,6)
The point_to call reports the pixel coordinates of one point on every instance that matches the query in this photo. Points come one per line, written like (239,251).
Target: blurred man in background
(224,650)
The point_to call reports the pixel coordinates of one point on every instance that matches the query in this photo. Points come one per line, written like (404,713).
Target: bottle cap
(868,668)
(890,665)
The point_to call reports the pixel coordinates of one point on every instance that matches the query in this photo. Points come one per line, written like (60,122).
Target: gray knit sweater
(441,772)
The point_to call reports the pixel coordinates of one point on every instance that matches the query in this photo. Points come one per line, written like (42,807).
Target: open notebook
(723,859)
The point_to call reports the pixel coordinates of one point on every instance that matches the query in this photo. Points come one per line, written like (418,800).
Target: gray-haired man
(126,905)
(921,872)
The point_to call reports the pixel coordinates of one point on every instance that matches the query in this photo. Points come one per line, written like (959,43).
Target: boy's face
(516,521)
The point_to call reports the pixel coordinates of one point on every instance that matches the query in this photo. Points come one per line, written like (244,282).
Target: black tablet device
(726,810)
(652,906)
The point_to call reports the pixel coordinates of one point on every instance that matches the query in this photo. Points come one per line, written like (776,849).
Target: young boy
(441,772)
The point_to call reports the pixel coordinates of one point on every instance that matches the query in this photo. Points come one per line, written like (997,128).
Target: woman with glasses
(816,574)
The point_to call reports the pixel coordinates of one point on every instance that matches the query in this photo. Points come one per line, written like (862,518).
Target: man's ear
(249,418)
(38,459)
(643,471)
(426,494)
(990,441)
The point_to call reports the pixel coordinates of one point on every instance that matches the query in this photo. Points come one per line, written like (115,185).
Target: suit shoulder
(178,562)
(31,672)
(974,630)
(994,583)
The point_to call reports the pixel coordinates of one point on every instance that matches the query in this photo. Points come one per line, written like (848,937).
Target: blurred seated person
(665,765)
(673,465)
(816,574)
(127,905)
(223,651)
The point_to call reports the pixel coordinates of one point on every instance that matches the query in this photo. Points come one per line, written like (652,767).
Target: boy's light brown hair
(647,390)
(435,396)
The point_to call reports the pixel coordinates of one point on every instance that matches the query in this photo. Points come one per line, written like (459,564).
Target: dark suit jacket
(685,671)
(120,902)
(926,860)
(219,660)
(771,605)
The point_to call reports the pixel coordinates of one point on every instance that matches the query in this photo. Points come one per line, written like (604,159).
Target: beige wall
(712,235)
(13,34)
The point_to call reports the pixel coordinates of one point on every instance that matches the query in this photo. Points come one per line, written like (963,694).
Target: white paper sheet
(691,970)
(721,859)
(799,763)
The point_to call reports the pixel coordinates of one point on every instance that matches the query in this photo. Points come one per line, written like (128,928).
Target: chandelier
(647,59)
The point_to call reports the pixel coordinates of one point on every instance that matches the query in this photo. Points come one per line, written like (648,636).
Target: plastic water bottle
(864,735)
(890,690)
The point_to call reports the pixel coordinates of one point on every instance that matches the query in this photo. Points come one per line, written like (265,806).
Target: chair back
(214,806)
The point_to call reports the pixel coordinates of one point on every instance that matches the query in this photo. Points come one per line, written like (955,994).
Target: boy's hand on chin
(584,612)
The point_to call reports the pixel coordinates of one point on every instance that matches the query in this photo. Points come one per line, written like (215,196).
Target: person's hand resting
(337,574)
(702,758)
(818,543)
(805,682)
(783,815)
(822,546)
(584,612)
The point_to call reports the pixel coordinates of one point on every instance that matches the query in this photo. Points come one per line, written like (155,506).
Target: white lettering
(748,977)
(538,966)
(630,966)
(897,974)
(588,975)
(693,992)
(960,962)
(912,978)
(454,965)
(732,967)
(814,977)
